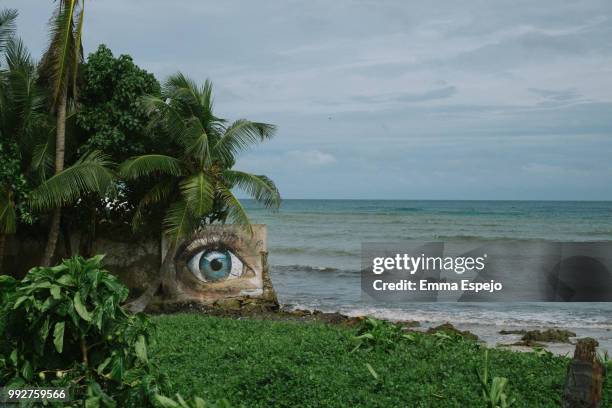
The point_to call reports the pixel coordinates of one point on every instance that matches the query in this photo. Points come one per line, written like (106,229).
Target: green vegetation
(63,325)
(379,334)
(59,72)
(66,123)
(31,141)
(111,118)
(264,363)
(194,185)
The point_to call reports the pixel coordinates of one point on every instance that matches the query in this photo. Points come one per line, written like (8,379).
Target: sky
(505,100)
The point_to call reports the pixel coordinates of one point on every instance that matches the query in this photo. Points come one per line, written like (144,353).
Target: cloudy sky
(389,99)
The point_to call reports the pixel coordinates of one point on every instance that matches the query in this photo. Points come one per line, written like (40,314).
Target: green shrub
(374,333)
(63,326)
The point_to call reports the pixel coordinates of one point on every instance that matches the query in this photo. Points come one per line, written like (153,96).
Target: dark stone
(549,335)
(452,330)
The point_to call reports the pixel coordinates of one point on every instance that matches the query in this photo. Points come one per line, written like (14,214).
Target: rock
(450,329)
(549,335)
(228,304)
(526,343)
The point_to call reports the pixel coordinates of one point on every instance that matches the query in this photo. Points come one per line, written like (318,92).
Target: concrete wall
(134,261)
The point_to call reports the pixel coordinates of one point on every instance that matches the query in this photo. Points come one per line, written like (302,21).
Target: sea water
(314,255)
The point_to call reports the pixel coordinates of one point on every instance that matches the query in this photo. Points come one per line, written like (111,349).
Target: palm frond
(78,52)
(90,174)
(43,157)
(179,221)
(239,136)
(148,164)
(196,142)
(156,194)
(17,56)
(8,214)
(183,88)
(61,52)
(206,99)
(197,192)
(235,210)
(259,187)
(27,99)
(8,18)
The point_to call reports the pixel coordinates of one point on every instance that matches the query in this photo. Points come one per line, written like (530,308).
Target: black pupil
(215,264)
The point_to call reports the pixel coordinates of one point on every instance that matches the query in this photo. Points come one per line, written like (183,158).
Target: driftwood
(584,381)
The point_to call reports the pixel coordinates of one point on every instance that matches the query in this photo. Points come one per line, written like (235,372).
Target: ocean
(314,255)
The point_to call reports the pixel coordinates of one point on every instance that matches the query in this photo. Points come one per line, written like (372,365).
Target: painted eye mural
(212,265)
(217,263)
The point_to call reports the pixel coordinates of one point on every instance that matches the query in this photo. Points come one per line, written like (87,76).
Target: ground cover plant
(273,363)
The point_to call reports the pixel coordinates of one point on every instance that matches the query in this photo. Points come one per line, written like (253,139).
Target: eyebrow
(208,238)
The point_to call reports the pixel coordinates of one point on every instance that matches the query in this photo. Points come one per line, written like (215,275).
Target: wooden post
(584,381)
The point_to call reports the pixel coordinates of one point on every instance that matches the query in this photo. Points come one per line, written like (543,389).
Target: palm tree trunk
(2,244)
(60,143)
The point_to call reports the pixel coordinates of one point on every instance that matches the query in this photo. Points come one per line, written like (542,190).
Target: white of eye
(237,267)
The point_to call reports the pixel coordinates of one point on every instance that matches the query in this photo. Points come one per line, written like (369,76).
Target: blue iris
(215,265)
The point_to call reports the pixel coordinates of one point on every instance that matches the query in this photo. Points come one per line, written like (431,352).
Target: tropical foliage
(27,142)
(110,116)
(59,151)
(64,326)
(24,123)
(195,185)
(59,70)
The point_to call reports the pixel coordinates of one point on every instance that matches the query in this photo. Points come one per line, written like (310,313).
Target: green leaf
(26,371)
(117,370)
(44,329)
(56,291)
(90,174)
(371,370)
(19,301)
(103,365)
(58,336)
(80,308)
(141,348)
(150,164)
(166,402)
(66,280)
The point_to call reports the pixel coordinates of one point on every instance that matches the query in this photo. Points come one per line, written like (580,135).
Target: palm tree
(27,138)
(7,208)
(59,68)
(195,185)
(22,121)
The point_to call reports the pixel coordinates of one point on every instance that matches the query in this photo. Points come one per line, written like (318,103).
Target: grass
(262,363)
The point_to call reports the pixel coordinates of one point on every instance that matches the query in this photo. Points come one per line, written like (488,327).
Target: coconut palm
(8,215)
(22,121)
(195,186)
(59,69)
(8,18)
(27,139)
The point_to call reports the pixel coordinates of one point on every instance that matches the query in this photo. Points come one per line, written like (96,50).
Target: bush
(64,326)
(374,333)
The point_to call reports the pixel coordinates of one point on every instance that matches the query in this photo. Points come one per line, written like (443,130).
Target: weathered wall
(134,261)
(137,263)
